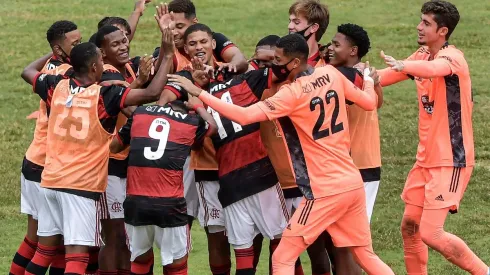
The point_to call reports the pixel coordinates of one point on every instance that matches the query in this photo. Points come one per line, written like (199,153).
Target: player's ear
(296,63)
(57,50)
(314,28)
(354,50)
(213,42)
(195,20)
(443,31)
(185,49)
(102,52)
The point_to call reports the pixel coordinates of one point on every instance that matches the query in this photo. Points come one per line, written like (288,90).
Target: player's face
(282,65)
(428,33)
(181,25)
(264,56)
(115,48)
(72,39)
(201,45)
(341,50)
(122,28)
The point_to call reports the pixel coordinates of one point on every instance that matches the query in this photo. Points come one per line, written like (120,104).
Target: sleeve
(201,131)
(366,99)
(178,90)
(258,81)
(222,44)
(389,77)
(281,104)
(113,98)
(111,75)
(124,134)
(44,85)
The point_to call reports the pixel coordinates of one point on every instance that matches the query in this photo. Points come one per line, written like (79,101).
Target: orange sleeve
(366,99)
(282,103)
(389,77)
(240,115)
(428,69)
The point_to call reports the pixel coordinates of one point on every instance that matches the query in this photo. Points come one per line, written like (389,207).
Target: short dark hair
(314,12)
(294,45)
(183,6)
(357,36)
(195,28)
(102,32)
(269,40)
(445,14)
(92,38)
(114,20)
(82,55)
(58,30)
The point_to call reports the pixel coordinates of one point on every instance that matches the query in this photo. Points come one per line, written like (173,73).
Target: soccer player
(161,137)
(114,47)
(310,19)
(445,154)
(334,194)
(349,45)
(272,138)
(82,118)
(62,36)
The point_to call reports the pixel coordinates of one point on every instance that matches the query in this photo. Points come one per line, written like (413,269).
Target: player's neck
(436,47)
(84,80)
(352,62)
(313,46)
(293,75)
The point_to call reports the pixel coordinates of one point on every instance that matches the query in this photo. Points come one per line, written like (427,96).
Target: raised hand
(193,103)
(394,64)
(185,83)
(146,64)
(231,67)
(140,6)
(165,19)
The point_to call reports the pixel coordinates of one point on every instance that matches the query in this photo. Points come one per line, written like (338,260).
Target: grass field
(391,25)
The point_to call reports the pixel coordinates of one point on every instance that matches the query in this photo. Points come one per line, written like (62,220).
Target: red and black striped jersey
(243,165)
(160,140)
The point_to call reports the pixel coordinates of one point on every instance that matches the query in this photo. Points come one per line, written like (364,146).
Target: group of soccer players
(127,151)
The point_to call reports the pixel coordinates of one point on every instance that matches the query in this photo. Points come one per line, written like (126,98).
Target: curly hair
(445,14)
(58,30)
(294,45)
(357,36)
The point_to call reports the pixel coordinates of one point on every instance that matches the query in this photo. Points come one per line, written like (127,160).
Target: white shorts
(173,242)
(30,197)
(190,191)
(74,217)
(263,213)
(113,198)
(371,192)
(292,204)
(211,213)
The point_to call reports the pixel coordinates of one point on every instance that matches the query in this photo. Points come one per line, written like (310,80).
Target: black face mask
(302,33)
(281,71)
(64,57)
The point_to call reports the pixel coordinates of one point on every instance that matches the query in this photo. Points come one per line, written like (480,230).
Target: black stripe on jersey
(453,101)
(31,171)
(232,134)
(246,181)
(162,212)
(297,157)
(175,154)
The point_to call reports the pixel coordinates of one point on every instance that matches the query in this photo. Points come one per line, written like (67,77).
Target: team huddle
(128,151)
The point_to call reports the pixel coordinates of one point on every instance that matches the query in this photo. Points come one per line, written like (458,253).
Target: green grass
(391,25)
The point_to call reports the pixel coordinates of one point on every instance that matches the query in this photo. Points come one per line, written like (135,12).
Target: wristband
(366,75)
(195,107)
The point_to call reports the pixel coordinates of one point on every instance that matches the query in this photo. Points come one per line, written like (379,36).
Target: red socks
(42,259)
(123,272)
(245,261)
(93,262)
(142,268)
(176,269)
(76,264)
(58,265)
(24,254)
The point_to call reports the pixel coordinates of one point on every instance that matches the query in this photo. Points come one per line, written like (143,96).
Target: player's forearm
(389,77)
(34,68)
(116,146)
(368,99)
(156,86)
(133,20)
(128,111)
(379,93)
(240,62)
(240,115)
(427,69)
(212,126)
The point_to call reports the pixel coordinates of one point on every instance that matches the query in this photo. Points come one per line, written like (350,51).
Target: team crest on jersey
(307,88)
(428,105)
(116,206)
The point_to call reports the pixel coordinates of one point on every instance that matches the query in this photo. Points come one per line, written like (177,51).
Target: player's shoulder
(451,53)
(52,64)
(422,53)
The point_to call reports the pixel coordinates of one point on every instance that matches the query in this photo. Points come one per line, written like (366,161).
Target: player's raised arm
(195,103)
(420,68)
(30,72)
(367,98)
(153,91)
(134,18)
(240,115)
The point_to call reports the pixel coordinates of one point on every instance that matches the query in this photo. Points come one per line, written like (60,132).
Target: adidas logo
(439,198)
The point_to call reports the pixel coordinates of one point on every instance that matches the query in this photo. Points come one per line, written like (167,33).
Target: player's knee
(430,235)
(409,227)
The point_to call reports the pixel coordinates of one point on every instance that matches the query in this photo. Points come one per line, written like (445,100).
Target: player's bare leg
(143,264)
(219,253)
(450,246)
(27,248)
(178,267)
(345,263)
(320,264)
(114,255)
(46,251)
(258,240)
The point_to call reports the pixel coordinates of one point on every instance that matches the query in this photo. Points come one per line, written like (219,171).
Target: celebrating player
(161,137)
(310,19)
(82,117)
(445,154)
(334,199)
(62,36)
